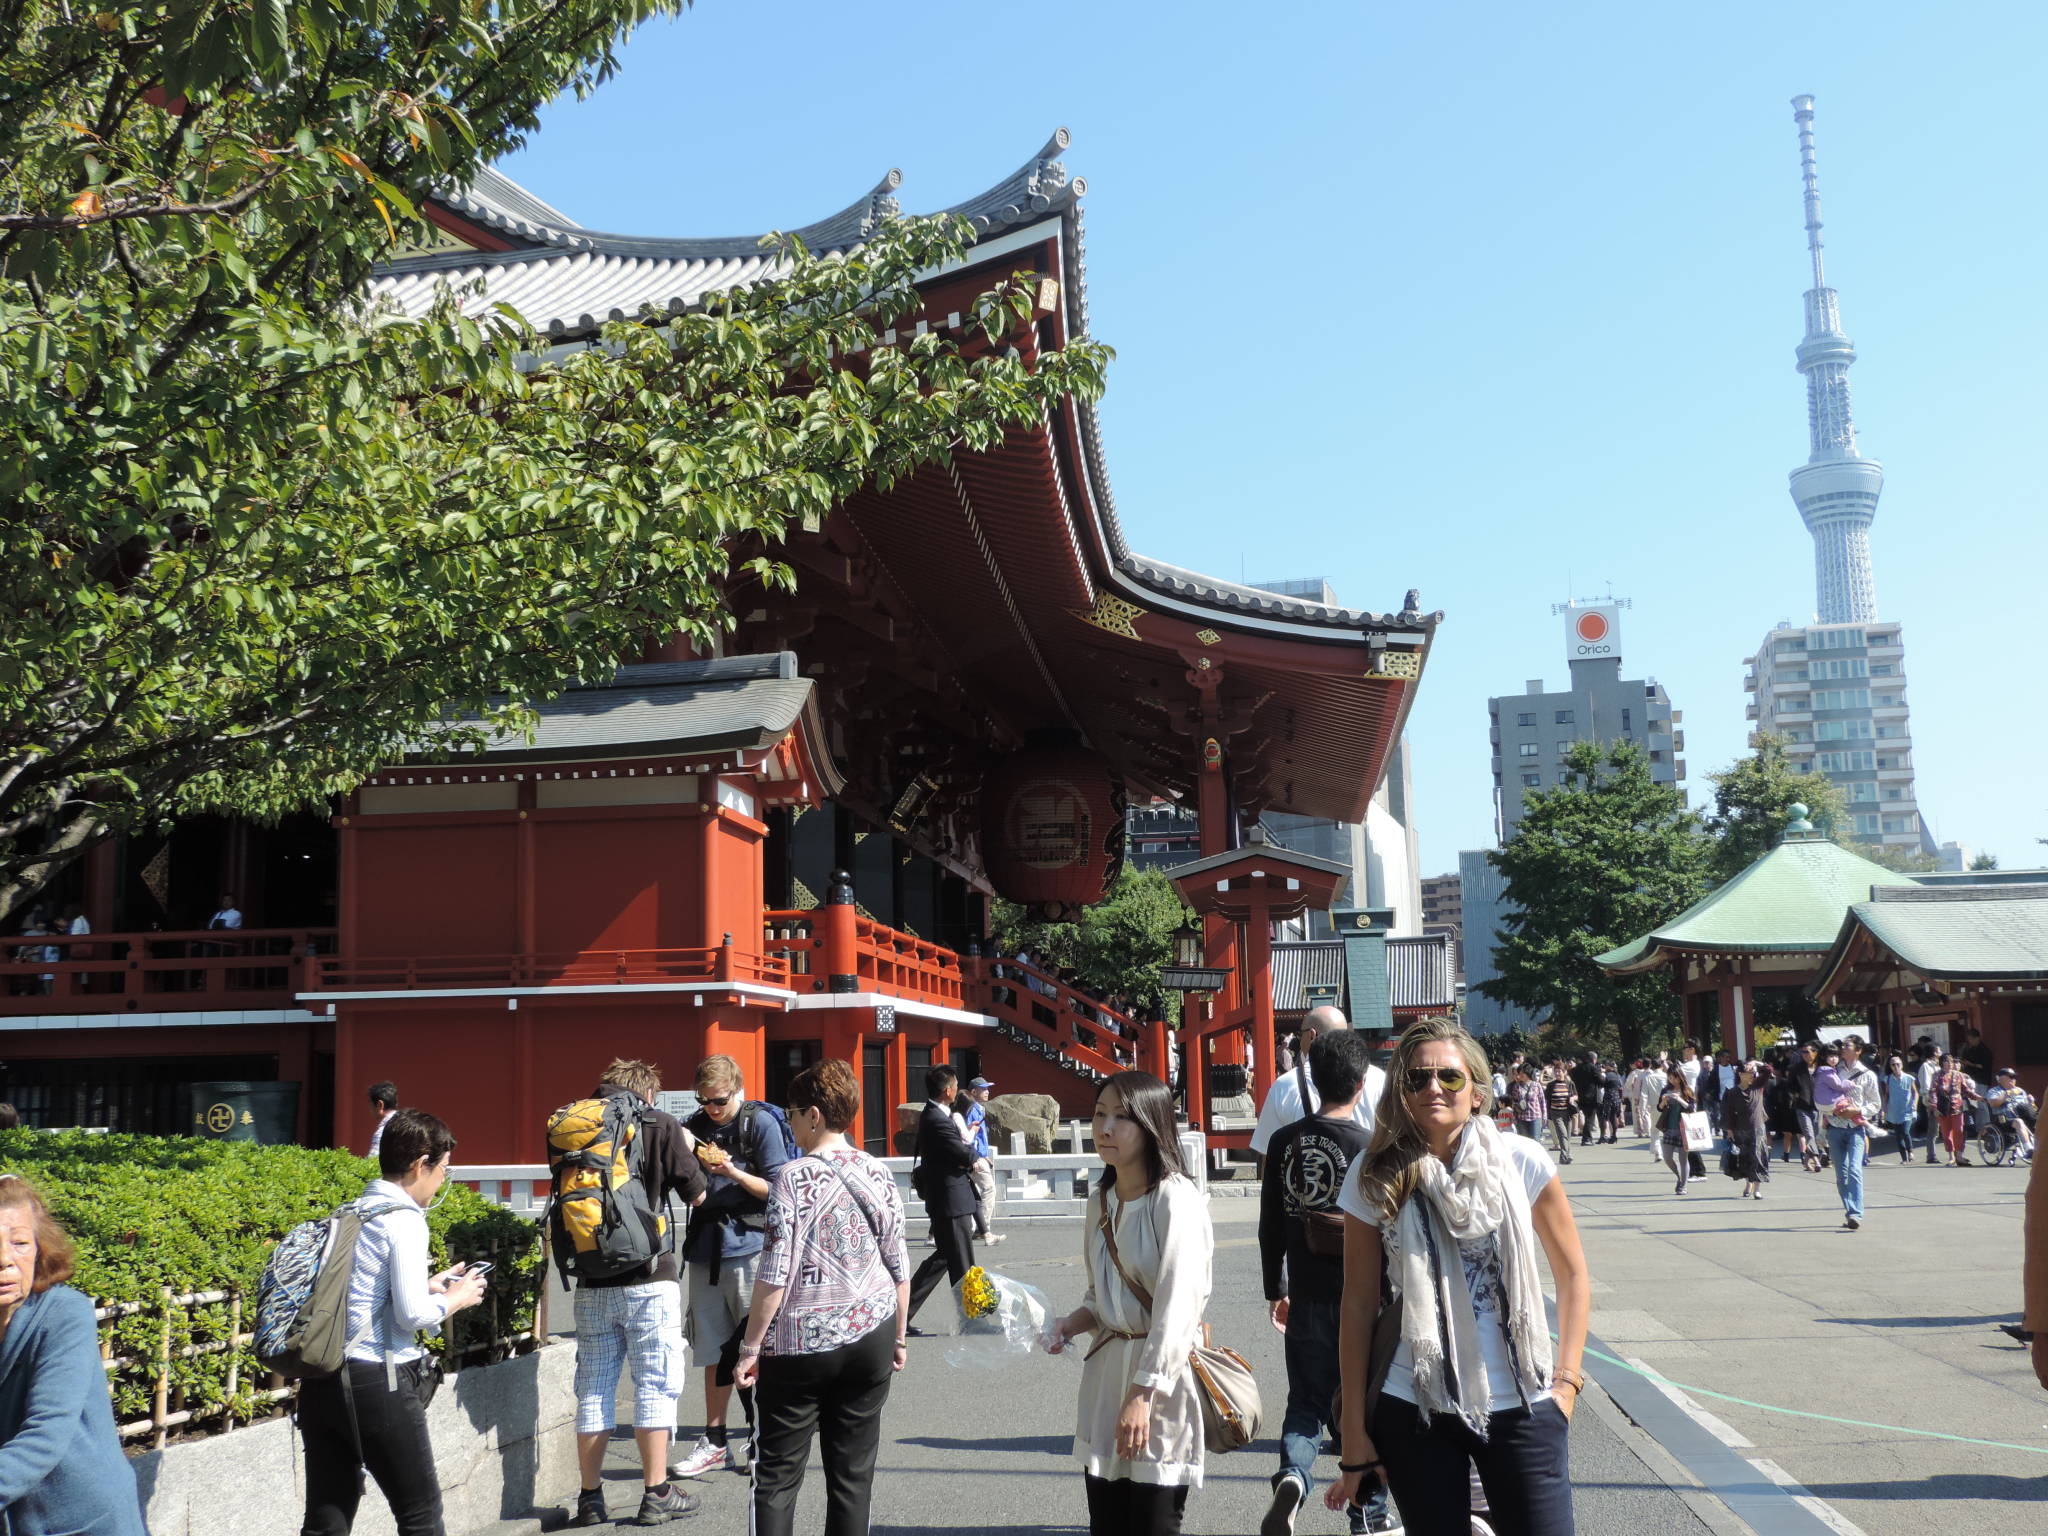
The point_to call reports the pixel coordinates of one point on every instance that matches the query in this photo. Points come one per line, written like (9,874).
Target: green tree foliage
(1985,861)
(1597,861)
(258,540)
(1114,948)
(1753,801)
(153,1212)
(1907,861)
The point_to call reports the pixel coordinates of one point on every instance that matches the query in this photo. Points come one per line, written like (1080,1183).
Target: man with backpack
(1301,1251)
(628,1304)
(740,1143)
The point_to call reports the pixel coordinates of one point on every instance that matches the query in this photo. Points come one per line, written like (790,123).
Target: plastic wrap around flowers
(999,1318)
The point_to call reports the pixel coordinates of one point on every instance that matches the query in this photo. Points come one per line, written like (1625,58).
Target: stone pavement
(1895,1324)
(990,1451)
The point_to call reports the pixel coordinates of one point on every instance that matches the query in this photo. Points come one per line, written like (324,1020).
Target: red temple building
(784,850)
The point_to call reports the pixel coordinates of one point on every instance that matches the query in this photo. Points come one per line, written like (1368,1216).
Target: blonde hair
(1393,1162)
(718,1072)
(642,1079)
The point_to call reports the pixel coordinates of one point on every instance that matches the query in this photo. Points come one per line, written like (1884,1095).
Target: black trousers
(1124,1508)
(953,1257)
(1524,1464)
(395,1448)
(838,1394)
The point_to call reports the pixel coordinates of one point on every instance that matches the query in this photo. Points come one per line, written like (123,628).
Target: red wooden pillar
(840,956)
(1258,973)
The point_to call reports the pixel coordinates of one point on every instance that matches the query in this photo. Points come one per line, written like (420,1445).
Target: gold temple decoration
(1112,614)
(1208,637)
(1403,665)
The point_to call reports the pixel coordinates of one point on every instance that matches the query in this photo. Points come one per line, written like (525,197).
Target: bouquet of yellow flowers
(998,1317)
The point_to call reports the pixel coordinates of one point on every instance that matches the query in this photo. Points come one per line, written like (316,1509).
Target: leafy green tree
(1599,860)
(1907,861)
(259,541)
(1985,861)
(1115,948)
(1753,801)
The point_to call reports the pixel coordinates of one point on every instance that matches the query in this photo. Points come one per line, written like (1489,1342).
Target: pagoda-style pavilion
(1767,928)
(1933,959)
(786,849)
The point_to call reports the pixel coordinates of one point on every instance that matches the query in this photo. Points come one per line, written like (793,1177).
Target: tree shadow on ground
(1048,1445)
(1989,1318)
(1945,1485)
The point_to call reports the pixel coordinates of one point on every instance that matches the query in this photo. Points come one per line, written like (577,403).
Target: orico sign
(1592,632)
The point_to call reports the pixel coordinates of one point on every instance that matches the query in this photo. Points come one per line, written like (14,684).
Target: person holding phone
(373,1412)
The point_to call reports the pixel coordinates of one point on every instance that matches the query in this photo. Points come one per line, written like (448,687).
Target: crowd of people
(1399,1231)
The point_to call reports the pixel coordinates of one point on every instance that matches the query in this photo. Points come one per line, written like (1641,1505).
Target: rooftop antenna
(1809,173)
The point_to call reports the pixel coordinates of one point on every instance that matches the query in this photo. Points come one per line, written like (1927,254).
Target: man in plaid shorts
(636,1320)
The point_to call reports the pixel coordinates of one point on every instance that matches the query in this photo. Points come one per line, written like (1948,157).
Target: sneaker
(737,1450)
(659,1506)
(1375,1518)
(1480,1527)
(590,1508)
(994,1237)
(704,1457)
(1288,1494)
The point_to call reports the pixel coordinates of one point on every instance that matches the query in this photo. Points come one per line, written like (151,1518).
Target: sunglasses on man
(1453,1079)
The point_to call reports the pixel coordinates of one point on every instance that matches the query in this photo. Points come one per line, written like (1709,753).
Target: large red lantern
(1052,827)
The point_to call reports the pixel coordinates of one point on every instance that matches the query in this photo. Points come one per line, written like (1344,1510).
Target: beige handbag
(1225,1387)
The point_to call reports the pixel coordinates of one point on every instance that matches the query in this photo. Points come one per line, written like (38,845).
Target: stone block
(504,1441)
(1034,1114)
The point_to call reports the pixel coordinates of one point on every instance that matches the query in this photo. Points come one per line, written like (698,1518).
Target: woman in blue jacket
(61,1467)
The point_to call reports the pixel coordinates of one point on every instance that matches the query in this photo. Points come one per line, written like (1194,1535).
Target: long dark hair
(1149,1103)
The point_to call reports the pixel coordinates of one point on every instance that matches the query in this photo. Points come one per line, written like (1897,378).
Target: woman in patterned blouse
(825,1332)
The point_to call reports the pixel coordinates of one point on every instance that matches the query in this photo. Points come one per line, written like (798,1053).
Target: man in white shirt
(384,1100)
(1689,1064)
(229,915)
(1283,1100)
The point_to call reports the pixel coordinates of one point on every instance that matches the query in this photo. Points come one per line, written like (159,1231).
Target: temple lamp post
(1187,974)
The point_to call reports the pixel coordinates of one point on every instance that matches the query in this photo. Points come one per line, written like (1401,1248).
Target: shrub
(155,1212)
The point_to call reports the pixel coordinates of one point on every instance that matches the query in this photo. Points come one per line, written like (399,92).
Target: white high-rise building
(1836,689)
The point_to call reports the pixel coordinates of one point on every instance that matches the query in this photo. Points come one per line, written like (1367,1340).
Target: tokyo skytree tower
(1836,489)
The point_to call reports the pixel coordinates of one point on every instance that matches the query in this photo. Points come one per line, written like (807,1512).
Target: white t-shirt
(1283,1105)
(1482,1277)
(1691,1069)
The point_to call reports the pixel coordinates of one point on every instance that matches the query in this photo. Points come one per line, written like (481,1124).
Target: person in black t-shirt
(1586,1082)
(1301,1251)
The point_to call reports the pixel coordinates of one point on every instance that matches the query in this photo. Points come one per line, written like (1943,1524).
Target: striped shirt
(388,1300)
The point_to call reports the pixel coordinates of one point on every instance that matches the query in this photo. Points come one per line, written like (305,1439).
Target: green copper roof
(1792,899)
(1963,931)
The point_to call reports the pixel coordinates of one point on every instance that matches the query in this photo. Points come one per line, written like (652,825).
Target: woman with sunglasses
(1457,1371)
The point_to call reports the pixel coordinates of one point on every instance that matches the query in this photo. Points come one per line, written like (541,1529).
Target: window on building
(1532,780)
(1863,790)
(1866,823)
(1898,824)
(1528,749)
(1881,669)
(2029,1034)
(1526,718)
(1564,717)
(1563,747)
(1564,775)
(1895,792)
(1801,701)
(1624,722)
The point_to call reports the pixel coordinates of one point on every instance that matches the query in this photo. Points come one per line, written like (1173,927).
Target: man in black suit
(945,1162)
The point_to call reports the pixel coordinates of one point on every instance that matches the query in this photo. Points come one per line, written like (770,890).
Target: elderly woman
(825,1335)
(1745,1119)
(1457,1372)
(61,1467)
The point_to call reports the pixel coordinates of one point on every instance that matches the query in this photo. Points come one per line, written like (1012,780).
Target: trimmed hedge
(150,1212)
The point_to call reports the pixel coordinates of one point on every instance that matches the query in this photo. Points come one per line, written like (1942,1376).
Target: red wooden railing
(1087,1034)
(591,967)
(185,972)
(836,940)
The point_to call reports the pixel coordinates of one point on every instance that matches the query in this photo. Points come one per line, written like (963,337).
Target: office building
(1443,911)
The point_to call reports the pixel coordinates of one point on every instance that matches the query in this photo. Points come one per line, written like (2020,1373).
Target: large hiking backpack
(302,1299)
(780,1123)
(601,1221)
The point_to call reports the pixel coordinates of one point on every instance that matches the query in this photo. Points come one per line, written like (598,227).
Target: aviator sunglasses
(1417,1078)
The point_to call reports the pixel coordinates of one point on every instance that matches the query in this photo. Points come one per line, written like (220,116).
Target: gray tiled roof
(669,707)
(1297,966)
(570,280)
(1987,931)
(1419,968)
(1418,972)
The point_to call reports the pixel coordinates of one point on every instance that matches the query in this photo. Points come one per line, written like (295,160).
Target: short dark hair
(831,1089)
(1855,1040)
(10,1117)
(410,1135)
(936,1079)
(1336,1065)
(385,1093)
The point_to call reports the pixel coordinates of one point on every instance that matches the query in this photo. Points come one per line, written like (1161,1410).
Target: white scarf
(1480,1194)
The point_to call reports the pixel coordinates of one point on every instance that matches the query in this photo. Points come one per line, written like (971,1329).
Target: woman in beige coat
(1146,1248)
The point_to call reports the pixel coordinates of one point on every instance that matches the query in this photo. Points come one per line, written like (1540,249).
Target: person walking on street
(1563,1104)
(1610,1103)
(1848,1098)
(975,1112)
(1707,1090)
(1293,1094)
(740,1145)
(942,1180)
(1900,1092)
(1526,1103)
(1301,1251)
(1643,1084)
(636,1317)
(825,1336)
(1952,1095)
(2034,1275)
(61,1468)
(1673,1104)
(1586,1080)
(1455,1371)
(1924,1072)
(1745,1119)
(373,1412)
(384,1104)
(1800,1074)
(1147,1253)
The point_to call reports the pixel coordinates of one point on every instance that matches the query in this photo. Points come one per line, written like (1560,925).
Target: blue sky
(1495,301)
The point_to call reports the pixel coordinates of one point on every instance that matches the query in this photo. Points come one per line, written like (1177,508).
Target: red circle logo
(1592,626)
